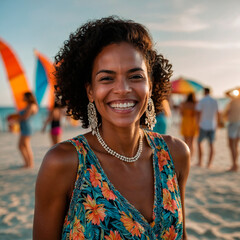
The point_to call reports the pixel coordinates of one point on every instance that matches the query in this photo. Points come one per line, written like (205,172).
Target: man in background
(207,119)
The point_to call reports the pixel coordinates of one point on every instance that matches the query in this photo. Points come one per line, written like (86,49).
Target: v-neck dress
(97,209)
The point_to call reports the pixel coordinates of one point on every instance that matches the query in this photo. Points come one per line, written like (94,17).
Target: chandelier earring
(92,117)
(150,119)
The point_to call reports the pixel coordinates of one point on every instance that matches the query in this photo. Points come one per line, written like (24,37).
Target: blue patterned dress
(98,211)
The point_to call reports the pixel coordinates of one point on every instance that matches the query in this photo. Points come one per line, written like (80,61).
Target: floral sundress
(98,211)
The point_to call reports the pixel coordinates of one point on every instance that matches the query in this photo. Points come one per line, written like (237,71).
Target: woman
(189,127)
(117,181)
(161,118)
(24,118)
(55,118)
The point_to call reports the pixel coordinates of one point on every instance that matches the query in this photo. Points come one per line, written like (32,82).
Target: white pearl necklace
(117,155)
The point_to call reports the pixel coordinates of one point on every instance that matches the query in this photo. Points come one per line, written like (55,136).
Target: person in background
(207,120)
(161,118)
(118,181)
(54,117)
(189,127)
(232,114)
(24,118)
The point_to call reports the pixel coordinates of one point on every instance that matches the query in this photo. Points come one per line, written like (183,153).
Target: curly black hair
(74,62)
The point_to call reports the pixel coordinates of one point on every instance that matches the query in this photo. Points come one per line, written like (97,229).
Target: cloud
(200,44)
(186,21)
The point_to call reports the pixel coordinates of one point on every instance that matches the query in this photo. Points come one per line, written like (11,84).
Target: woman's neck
(123,140)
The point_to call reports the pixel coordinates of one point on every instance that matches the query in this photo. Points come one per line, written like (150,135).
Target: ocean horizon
(36,120)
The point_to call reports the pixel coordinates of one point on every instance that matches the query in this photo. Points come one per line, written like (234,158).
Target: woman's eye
(106,79)
(138,76)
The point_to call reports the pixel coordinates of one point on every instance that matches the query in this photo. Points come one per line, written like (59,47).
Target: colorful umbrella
(185,86)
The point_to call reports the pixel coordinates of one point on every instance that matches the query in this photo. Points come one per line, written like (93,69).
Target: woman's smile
(122,106)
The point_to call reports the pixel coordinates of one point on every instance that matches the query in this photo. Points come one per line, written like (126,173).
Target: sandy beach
(212,195)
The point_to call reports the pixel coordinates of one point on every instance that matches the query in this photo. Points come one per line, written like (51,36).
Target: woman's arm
(181,158)
(48,119)
(54,186)
(31,110)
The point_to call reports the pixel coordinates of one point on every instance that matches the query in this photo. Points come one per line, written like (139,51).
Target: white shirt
(208,109)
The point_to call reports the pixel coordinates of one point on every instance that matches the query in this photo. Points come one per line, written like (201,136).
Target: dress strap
(157,142)
(80,145)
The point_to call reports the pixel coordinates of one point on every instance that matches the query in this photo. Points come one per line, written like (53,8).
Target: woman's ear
(89,91)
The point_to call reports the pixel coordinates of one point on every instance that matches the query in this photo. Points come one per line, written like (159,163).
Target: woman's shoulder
(33,107)
(57,174)
(61,161)
(179,151)
(61,155)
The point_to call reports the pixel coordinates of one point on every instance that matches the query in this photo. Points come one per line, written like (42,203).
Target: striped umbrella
(185,86)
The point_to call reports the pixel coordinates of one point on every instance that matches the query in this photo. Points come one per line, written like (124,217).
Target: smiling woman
(119,181)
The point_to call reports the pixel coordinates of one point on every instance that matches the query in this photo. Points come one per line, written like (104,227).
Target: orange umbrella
(185,86)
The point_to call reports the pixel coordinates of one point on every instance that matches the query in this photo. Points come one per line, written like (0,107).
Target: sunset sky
(200,38)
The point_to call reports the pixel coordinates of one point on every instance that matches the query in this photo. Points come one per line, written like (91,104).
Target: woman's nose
(122,86)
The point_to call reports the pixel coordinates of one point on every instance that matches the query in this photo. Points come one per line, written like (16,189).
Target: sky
(200,38)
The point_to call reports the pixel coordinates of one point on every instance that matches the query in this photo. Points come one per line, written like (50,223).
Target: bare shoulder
(34,108)
(59,165)
(60,155)
(180,153)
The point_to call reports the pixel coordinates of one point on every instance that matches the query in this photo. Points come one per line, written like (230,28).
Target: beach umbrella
(233,93)
(185,86)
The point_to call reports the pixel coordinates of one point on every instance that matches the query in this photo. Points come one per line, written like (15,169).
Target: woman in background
(189,128)
(161,118)
(55,118)
(25,129)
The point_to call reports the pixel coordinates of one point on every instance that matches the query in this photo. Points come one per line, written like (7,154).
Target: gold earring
(150,119)
(92,117)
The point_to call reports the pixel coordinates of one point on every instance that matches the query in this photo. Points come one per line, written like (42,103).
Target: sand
(212,195)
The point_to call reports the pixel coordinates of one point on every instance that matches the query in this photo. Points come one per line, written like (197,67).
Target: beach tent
(16,76)
(44,78)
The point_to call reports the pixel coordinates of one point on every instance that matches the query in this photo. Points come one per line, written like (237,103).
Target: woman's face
(120,85)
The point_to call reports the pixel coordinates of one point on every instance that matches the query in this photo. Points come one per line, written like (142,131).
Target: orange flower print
(77,232)
(95,212)
(180,215)
(152,224)
(132,226)
(113,236)
(66,221)
(170,185)
(107,193)
(170,235)
(168,203)
(81,148)
(174,180)
(163,157)
(95,176)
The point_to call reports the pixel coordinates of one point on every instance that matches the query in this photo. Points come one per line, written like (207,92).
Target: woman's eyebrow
(113,72)
(105,71)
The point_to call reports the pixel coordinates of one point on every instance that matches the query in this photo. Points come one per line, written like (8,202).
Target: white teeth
(123,105)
